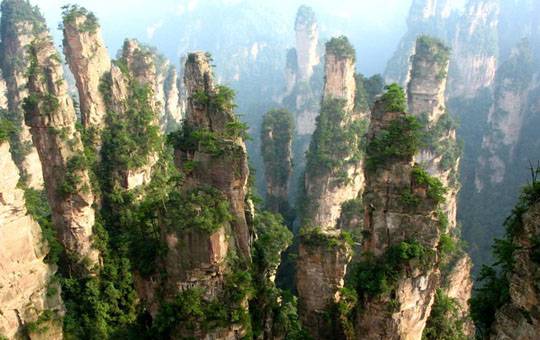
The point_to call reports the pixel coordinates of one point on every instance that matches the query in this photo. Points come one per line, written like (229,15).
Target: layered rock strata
(50,114)
(333,176)
(21,24)
(26,290)
(89,61)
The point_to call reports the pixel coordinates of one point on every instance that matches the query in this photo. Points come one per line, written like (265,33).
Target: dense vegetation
(71,13)
(445,321)
(434,50)
(493,291)
(367,89)
(341,48)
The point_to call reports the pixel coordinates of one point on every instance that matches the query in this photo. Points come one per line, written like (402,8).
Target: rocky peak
(340,71)
(427,83)
(50,114)
(475,49)
(25,278)
(88,60)
(172,117)
(198,78)
(21,24)
(307,39)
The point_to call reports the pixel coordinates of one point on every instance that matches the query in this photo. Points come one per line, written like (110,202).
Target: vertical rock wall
(51,117)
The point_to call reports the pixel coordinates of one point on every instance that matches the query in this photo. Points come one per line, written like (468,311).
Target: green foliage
(367,89)
(435,189)
(203,209)
(222,100)
(276,138)
(400,141)
(337,140)
(345,311)
(341,48)
(433,49)
(6,129)
(437,138)
(272,239)
(447,245)
(42,325)
(38,207)
(313,237)
(375,277)
(71,12)
(131,137)
(37,103)
(445,321)
(394,99)
(72,178)
(190,311)
(493,291)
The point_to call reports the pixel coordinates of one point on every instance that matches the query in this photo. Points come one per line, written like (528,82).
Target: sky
(375,25)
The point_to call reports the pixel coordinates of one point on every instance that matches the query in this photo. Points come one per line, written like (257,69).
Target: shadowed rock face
(518,319)
(24,277)
(51,118)
(89,61)
(390,221)
(21,24)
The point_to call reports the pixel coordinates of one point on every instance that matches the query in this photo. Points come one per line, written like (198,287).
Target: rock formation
(518,318)
(475,49)
(334,167)
(276,148)
(21,24)
(333,176)
(89,62)
(27,292)
(397,277)
(441,153)
(50,114)
(172,115)
(210,151)
(307,39)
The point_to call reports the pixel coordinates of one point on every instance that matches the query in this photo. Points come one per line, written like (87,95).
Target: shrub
(445,321)
(394,99)
(341,48)
(435,189)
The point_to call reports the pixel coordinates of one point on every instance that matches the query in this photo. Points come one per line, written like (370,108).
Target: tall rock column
(21,24)
(51,116)
(334,167)
(89,62)
(172,116)
(333,176)
(211,153)
(307,39)
(440,157)
(398,275)
(276,148)
(25,278)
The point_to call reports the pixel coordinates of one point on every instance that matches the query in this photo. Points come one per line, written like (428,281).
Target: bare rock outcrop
(173,112)
(307,39)
(89,61)
(26,289)
(21,24)
(50,114)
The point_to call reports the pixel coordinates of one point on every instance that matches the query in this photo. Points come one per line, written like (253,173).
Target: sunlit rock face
(50,114)
(307,39)
(21,24)
(333,176)
(475,49)
(518,319)
(441,157)
(173,111)
(89,61)
(25,279)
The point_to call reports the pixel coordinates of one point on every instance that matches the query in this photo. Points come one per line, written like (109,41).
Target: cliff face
(333,176)
(518,318)
(21,24)
(172,116)
(303,76)
(51,117)
(334,168)
(89,61)
(276,148)
(475,49)
(440,156)
(307,39)
(433,17)
(25,279)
